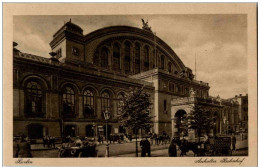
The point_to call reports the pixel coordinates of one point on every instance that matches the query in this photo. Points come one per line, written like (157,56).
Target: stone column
(98,111)
(80,104)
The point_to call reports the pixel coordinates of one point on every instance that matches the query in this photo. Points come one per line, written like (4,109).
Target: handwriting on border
(223,160)
(23,161)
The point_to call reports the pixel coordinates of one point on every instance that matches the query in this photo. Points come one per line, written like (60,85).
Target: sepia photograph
(161,84)
(130,85)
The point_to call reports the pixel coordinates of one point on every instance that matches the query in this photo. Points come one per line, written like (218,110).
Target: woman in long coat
(172,151)
(24,149)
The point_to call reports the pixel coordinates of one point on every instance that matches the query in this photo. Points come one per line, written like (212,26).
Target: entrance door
(70,130)
(35,131)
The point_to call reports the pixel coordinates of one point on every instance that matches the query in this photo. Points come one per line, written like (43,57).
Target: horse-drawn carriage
(214,146)
(66,150)
(218,146)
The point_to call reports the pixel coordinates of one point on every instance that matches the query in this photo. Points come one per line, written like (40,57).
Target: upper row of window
(34,97)
(102,58)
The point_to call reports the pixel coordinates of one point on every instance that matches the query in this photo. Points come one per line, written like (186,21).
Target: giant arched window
(162,61)
(88,102)
(137,58)
(119,103)
(146,58)
(68,102)
(34,99)
(104,57)
(105,102)
(127,57)
(116,57)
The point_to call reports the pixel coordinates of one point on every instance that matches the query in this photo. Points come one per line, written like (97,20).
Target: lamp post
(106,116)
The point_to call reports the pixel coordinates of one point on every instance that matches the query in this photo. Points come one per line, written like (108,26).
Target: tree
(135,112)
(200,120)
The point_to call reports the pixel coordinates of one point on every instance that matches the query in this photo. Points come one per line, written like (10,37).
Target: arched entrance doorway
(179,119)
(35,131)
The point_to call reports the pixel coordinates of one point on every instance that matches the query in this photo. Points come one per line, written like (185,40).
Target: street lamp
(106,116)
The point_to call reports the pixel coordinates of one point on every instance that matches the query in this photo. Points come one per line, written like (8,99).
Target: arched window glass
(162,61)
(105,102)
(127,57)
(68,100)
(96,59)
(146,58)
(116,57)
(88,103)
(170,67)
(137,58)
(34,99)
(119,104)
(104,57)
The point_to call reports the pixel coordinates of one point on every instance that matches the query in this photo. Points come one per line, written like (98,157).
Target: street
(127,150)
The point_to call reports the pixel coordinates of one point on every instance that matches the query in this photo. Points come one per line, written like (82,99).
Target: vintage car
(68,150)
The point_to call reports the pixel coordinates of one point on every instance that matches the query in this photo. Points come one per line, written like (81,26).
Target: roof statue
(145,26)
(192,92)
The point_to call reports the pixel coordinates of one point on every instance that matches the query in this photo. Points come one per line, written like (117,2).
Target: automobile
(69,150)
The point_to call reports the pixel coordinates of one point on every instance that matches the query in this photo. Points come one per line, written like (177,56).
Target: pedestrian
(44,141)
(143,147)
(48,141)
(148,147)
(172,151)
(24,149)
(234,140)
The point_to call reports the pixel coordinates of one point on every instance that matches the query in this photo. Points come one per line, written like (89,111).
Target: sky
(219,42)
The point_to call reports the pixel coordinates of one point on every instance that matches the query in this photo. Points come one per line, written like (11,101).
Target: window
(127,57)
(171,87)
(105,102)
(162,61)
(146,58)
(75,51)
(165,105)
(137,58)
(104,57)
(68,100)
(90,130)
(170,67)
(116,57)
(34,99)
(120,98)
(88,103)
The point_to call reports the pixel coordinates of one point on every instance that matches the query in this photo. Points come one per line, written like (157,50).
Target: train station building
(67,93)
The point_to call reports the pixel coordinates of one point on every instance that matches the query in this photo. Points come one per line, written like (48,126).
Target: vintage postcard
(162,84)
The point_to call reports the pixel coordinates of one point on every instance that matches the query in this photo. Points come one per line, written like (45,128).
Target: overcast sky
(219,41)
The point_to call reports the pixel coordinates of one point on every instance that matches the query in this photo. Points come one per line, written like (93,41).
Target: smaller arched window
(116,57)
(146,58)
(137,58)
(104,57)
(89,103)
(162,61)
(34,99)
(170,67)
(68,102)
(120,97)
(127,58)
